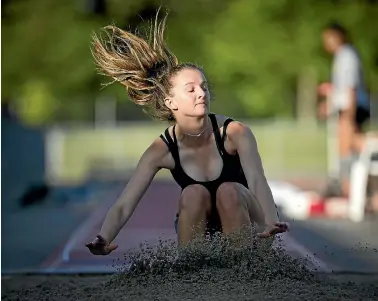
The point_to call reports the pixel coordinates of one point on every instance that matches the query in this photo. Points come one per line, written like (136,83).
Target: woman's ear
(170,103)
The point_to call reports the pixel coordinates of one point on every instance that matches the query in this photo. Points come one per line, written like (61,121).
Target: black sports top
(232,170)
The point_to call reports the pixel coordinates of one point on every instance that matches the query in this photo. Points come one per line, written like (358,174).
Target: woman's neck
(193,130)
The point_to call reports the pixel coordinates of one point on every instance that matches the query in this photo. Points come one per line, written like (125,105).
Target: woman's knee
(230,198)
(195,199)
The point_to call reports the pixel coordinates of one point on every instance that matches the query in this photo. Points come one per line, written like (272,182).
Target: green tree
(253,51)
(259,48)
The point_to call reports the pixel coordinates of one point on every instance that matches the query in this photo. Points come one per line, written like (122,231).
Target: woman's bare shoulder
(158,154)
(233,124)
(235,128)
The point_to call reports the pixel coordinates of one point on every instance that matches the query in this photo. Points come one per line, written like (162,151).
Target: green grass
(284,148)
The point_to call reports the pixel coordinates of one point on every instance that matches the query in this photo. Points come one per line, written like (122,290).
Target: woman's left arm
(245,144)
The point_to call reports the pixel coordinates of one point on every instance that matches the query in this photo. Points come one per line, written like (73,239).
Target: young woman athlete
(214,159)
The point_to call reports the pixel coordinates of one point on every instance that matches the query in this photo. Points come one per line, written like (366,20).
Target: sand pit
(191,288)
(213,271)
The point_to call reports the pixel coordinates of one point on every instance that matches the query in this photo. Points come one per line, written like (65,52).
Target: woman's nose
(201,93)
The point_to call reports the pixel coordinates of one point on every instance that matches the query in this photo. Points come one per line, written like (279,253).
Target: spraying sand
(212,270)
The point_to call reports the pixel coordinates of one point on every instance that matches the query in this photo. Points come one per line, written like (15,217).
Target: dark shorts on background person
(361,117)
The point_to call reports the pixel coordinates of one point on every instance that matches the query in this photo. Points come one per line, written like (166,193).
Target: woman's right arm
(150,163)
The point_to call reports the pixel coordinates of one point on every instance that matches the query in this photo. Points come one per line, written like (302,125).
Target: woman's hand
(99,246)
(276,228)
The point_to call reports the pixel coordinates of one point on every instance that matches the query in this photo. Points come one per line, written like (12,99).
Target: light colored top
(346,74)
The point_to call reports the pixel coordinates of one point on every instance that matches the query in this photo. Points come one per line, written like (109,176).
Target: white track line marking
(78,235)
(291,245)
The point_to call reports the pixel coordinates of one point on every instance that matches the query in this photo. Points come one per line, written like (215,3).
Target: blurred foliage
(253,51)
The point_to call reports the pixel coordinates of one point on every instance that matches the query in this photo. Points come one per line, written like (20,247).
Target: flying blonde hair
(144,66)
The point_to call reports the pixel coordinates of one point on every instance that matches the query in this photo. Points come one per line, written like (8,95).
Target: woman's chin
(198,113)
(202,111)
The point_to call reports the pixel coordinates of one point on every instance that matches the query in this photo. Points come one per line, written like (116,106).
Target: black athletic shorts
(361,117)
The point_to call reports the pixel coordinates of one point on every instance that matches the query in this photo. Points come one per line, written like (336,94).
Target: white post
(359,179)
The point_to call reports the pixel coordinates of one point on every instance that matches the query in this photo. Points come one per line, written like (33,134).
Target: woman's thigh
(195,199)
(241,195)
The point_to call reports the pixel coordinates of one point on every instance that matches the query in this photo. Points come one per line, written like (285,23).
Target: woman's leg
(238,209)
(194,206)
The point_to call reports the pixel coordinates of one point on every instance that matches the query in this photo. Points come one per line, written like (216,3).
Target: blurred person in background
(214,159)
(346,96)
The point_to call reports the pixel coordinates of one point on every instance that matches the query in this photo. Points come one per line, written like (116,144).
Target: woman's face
(189,94)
